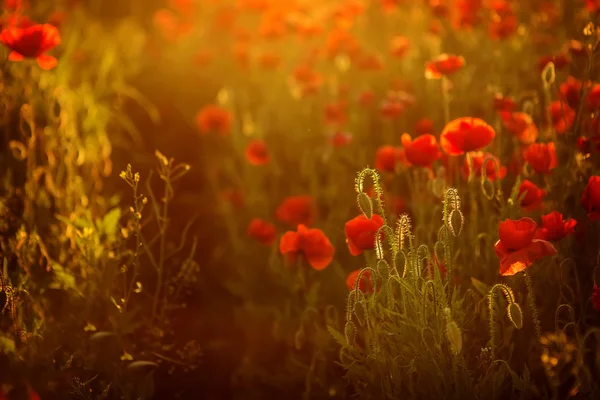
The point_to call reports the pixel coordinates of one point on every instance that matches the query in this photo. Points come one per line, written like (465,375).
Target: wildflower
(588,146)
(310,242)
(560,61)
(213,118)
(257,153)
(477,160)
(517,248)
(554,227)
(562,116)
(366,98)
(590,198)
(392,108)
(596,297)
(234,197)
(520,125)
(570,91)
(399,46)
(340,139)
(421,152)
(444,65)
(335,113)
(466,134)
(533,195)
(387,157)
(366,282)
(423,126)
(296,210)
(262,231)
(360,233)
(269,60)
(541,157)
(593,98)
(170,25)
(503,103)
(32,42)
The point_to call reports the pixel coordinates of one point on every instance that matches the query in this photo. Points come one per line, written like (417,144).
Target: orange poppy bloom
(360,233)
(257,152)
(296,210)
(443,65)
(422,151)
(554,227)
(517,247)
(213,118)
(466,134)
(520,125)
(399,45)
(310,242)
(32,42)
(570,91)
(262,231)
(541,157)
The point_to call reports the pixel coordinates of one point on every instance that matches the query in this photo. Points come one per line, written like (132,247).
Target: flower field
(300,199)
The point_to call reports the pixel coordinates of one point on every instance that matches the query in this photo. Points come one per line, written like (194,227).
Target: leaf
(337,336)
(481,287)
(63,279)
(141,364)
(101,335)
(110,223)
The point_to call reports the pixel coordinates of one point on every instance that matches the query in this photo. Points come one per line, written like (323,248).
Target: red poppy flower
(335,113)
(32,42)
(562,116)
(590,198)
(366,98)
(360,233)
(533,195)
(340,139)
(577,49)
(554,228)
(171,26)
(570,91)
(443,65)
(234,197)
(387,158)
(503,26)
(560,61)
(366,282)
(435,262)
(466,134)
(257,152)
(421,152)
(517,247)
(520,125)
(504,103)
(477,160)
(213,118)
(588,146)
(262,231)
(541,157)
(297,210)
(269,60)
(310,242)
(392,108)
(399,46)
(596,297)
(593,98)
(423,126)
